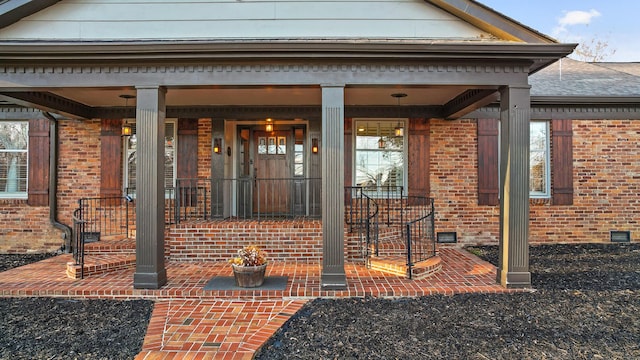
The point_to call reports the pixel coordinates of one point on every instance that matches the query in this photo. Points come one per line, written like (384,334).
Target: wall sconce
(314,145)
(381,143)
(217,146)
(269,127)
(126,130)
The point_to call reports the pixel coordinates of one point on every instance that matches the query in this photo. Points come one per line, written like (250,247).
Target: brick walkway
(189,322)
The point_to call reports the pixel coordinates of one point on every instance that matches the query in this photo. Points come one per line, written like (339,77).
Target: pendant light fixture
(399,130)
(126,128)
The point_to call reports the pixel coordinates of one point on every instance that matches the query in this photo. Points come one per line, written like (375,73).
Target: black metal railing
(420,233)
(99,217)
(247,198)
(362,218)
(169,203)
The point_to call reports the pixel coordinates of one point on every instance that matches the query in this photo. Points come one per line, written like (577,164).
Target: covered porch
(453,58)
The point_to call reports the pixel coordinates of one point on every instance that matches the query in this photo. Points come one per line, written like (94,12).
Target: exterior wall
(162,20)
(219,241)
(606,182)
(606,175)
(204,148)
(26,228)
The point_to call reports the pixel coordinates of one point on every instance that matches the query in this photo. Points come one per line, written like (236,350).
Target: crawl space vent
(447,237)
(620,236)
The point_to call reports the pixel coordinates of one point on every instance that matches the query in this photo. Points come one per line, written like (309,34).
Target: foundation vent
(620,236)
(447,237)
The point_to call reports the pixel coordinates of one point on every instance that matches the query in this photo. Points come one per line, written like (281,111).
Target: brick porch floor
(191,323)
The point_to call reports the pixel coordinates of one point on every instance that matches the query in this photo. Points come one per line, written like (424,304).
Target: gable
(109,20)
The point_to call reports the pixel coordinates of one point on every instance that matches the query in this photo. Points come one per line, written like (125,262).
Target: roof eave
(109,52)
(491,21)
(14,10)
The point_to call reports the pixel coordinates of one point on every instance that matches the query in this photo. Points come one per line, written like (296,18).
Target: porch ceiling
(364,101)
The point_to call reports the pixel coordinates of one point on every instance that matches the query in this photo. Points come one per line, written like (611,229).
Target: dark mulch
(586,306)
(10,261)
(52,328)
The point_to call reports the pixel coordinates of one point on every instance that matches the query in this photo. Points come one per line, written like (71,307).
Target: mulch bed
(586,306)
(51,328)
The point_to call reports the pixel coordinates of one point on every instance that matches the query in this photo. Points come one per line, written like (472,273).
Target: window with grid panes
(14,141)
(130,154)
(379,155)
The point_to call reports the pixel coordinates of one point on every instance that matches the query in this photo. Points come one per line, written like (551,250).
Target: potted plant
(249,266)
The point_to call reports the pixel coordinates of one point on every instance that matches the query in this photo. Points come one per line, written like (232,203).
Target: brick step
(101,264)
(119,244)
(397,265)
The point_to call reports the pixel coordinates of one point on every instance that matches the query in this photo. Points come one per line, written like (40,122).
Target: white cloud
(578,17)
(575,17)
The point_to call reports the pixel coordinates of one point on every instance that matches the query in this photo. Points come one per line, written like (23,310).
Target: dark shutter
(38,192)
(419,159)
(562,162)
(187,159)
(111,158)
(488,161)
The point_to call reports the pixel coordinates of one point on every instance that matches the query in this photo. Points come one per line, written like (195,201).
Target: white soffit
(112,20)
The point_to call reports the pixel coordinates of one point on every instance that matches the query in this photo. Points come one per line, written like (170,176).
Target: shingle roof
(569,77)
(632,68)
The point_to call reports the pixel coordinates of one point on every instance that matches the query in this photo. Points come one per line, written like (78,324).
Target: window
(14,137)
(539,179)
(539,160)
(130,148)
(379,155)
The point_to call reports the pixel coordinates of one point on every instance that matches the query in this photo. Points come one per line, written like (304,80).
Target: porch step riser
(100,266)
(394,265)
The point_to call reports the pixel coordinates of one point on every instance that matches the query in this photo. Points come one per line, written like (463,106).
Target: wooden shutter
(488,161)
(419,157)
(111,158)
(562,163)
(38,188)
(187,156)
(187,149)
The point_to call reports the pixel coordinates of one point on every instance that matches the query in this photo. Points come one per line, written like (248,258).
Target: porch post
(333,275)
(513,265)
(150,116)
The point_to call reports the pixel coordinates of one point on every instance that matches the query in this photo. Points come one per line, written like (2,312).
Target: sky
(615,22)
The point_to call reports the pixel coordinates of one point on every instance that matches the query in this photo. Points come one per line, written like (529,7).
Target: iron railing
(361,216)
(98,217)
(247,198)
(420,234)
(169,203)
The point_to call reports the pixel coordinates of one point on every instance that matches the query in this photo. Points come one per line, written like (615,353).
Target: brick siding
(606,175)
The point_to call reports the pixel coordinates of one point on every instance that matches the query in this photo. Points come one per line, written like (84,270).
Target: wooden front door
(272,172)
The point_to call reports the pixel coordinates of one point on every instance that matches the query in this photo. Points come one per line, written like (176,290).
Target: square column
(333,275)
(515,113)
(150,194)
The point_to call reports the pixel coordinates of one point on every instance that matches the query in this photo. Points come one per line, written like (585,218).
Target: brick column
(150,116)
(513,266)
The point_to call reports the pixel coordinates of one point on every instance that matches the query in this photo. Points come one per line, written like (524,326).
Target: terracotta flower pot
(249,276)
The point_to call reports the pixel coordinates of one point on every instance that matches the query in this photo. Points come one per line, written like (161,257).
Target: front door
(272,171)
